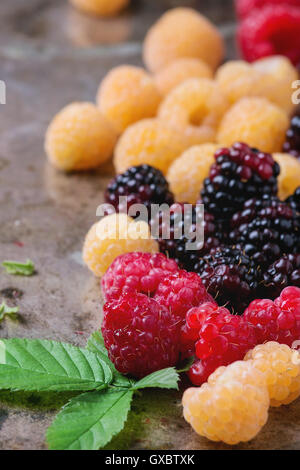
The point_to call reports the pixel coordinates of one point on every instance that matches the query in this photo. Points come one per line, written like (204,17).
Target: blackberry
(239,173)
(282,273)
(266,229)
(292,142)
(294,200)
(141,184)
(230,276)
(184,226)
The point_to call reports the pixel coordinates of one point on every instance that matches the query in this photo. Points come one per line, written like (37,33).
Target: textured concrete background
(50,55)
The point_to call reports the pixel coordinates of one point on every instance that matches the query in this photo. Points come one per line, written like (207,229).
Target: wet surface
(50,54)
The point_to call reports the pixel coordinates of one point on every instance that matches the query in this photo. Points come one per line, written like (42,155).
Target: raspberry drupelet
(245,7)
(276,321)
(281,368)
(195,108)
(136,272)
(239,173)
(140,335)
(79,138)
(270,30)
(187,173)
(219,339)
(126,95)
(114,235)
(270,77)
(230,276)
(179,71)
(180,291)
(232,407)
(266,229)
(149,141)
(181,33)
(254,120)
(141,184)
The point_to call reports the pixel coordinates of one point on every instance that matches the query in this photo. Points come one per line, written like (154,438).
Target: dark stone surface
(50,54)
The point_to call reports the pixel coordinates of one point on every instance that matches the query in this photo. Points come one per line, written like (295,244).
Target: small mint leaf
(186,364)
(164,378)
(95,343)
(17,268)
(6,311)
(41,365)
(90,420)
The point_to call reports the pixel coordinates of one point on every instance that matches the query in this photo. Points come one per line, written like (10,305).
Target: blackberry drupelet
(239,173)
(142,184)
(282,273)
(292,142)
(266,229)
(181,224)
(294,200)
(230,276)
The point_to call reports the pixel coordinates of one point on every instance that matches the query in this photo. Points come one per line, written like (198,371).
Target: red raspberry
(276,321)
(140,335)
(181,291)
(269,31)
(245,7)
(138,272)
(221,338)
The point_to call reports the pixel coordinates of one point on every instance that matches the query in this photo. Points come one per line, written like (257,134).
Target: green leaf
(5,310)
(22,269)
(164,378)
(95,344)
(90,420)
(40,365)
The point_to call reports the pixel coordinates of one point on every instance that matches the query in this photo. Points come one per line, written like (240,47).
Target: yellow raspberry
(182,32)
(79,138)
(114,235)
(256,122)
(179,71)
(270,78)
(148,141)
(238,79)
(127,95)
(233,407)
(196,108)
(289,177)
(281,368)
(187,173)
(100,7)
(278,74)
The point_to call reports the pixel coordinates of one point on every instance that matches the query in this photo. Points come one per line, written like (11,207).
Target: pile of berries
(147,300)
(215,299)
(157,314)
(217,337)
(233,405)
